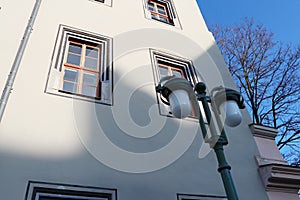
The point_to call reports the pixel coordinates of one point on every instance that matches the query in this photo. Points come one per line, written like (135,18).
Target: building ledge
(263,131)
(279,176)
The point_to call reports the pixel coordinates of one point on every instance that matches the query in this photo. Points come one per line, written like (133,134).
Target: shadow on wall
(130,145)
(132,130)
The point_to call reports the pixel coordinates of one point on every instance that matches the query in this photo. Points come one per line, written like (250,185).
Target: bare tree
(268,75)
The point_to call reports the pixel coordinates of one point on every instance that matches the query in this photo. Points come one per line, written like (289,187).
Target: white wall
(55,139)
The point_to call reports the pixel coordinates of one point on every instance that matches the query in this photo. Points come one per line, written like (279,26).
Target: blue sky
(282,17)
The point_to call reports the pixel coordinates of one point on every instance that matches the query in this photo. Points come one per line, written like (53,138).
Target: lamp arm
(200,89)
(223,138)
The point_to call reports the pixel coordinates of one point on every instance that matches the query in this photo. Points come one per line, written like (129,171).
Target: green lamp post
(225,103)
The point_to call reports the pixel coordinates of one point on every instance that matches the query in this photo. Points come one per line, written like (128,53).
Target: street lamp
(225,104)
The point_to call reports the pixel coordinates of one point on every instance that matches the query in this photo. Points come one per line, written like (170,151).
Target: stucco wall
(13,20)
(49,138)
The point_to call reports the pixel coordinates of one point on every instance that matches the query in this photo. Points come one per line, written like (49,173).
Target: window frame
(199,197)
(177,61)
(54,84)
(37,190)
(171,67)
(104,2)
(81,68)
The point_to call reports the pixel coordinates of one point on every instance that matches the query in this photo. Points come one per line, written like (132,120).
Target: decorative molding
(266,161)
(104,2)
(263,131)
(41,190)
(199,197)
(53,84)
(280,177)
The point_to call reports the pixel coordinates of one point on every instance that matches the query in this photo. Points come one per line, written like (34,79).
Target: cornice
(280,177)
(263,131)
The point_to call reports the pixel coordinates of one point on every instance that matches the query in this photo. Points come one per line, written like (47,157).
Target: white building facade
(83,119)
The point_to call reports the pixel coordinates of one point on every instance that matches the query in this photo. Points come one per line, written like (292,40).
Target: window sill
(71,95)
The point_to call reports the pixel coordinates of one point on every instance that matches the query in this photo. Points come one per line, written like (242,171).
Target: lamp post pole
(215,141)
(179,94)
(224,170)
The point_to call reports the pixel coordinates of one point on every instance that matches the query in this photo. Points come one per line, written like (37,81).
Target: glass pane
(73,59)
(92,52)
(89,79)
(161,10)
(176,73)
(71,75)
(163,19)
(163,71)
(150,6)
(70,87)
(153,16)
(75,48)
(89,91)
(91,63)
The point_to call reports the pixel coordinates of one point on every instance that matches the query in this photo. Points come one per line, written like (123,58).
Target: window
(46,191)
(81,67)
(169,65)
(170,69)
(199,197)
(161,10)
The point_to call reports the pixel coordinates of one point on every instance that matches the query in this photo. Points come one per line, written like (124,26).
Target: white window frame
(199,197)
(171,11)
(38,190)
(53,85)
(187,65)
(105,2)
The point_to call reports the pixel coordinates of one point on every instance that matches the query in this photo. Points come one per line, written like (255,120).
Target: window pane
(70,87)
(163,71)
(91,63)
(90,79)
(73,59)
(150,6)
(176,73)
(75,48)
(161,10)
(163,19)
(71,75)
(153,16)
(89,91)
(92,52)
